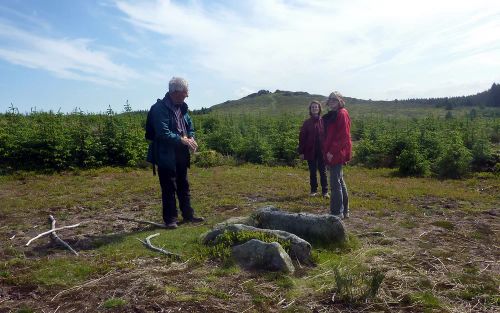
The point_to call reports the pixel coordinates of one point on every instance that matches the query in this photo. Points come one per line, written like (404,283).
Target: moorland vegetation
(415,244)
(446,137)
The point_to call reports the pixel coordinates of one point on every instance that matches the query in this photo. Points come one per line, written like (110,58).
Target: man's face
(178,97)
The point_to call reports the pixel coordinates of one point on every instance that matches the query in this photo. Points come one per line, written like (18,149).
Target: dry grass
(436,242)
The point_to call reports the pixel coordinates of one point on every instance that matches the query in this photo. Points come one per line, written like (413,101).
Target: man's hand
(194,145)
(329,156)
(190,142)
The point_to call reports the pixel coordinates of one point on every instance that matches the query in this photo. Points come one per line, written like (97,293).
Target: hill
(266,102)
(290,102)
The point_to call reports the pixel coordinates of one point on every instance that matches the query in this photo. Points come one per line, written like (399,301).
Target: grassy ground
(435,244)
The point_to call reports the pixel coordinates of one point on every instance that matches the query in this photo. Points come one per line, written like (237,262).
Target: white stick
(55,237)
(51,231)
(148,244)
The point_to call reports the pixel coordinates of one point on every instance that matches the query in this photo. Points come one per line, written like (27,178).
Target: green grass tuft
(427,300)
(444,224)
(213,292)
(114,303)
(352,286)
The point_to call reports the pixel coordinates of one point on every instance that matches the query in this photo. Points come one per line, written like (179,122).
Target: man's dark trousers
(173,182)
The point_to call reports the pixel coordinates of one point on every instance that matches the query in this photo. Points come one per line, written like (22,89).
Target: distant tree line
(489,98)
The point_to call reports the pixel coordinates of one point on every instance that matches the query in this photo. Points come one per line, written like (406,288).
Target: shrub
(284,148)
(366,153)
(211,158)
(223,140)
(455,162)
(254,149)
(431,144)
(482,154)
(412,163)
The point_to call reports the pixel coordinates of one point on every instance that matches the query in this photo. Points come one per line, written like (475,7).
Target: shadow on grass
(350,244)
(86,242)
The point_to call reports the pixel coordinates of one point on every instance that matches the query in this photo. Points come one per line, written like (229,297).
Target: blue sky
(59,54)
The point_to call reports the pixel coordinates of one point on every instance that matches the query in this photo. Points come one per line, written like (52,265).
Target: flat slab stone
(323,228)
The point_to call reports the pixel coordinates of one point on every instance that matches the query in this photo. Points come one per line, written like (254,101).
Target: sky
(62,55)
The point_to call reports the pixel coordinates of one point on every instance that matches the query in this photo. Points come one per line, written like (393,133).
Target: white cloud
(65,58)
(320,45)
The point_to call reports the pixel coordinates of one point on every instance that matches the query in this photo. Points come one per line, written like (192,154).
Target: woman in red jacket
(310,141)
(337,151)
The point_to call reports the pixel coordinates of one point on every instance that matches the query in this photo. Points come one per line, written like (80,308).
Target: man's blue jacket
(161,150)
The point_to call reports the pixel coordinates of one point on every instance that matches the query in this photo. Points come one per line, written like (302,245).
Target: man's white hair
(177,84)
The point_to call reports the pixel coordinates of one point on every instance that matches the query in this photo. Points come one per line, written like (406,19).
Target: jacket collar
(330,116)
(168,102)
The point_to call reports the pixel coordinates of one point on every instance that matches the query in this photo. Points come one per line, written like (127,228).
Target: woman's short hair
(177,84)
(314,102)
(337,97)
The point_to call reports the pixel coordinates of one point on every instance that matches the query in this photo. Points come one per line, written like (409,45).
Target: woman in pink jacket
(337,151)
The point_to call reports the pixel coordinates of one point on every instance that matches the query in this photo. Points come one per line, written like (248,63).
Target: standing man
(171,131)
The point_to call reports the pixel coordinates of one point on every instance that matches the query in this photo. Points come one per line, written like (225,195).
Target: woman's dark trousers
(176,182)
(317,165)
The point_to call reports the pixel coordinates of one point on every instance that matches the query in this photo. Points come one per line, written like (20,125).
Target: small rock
(299,248)
(256,254)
